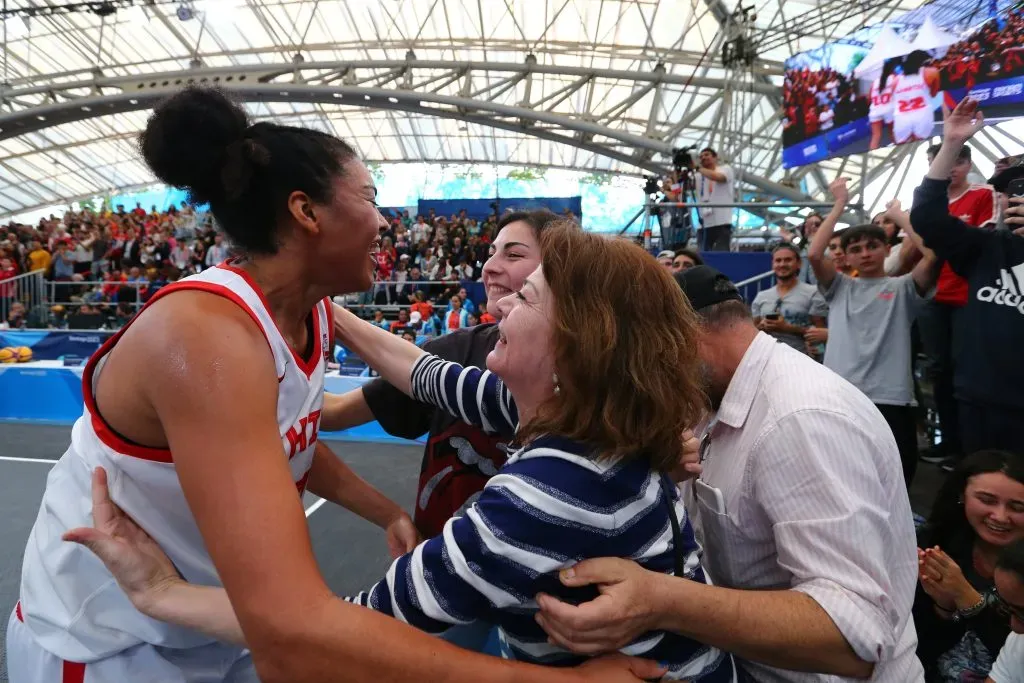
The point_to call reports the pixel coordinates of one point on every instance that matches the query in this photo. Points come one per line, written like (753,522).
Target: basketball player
(211,449)
(880,116)
(915,90)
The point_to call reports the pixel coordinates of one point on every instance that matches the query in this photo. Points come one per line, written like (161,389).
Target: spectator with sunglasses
(1009,578)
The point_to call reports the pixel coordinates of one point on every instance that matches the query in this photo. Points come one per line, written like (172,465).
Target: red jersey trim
(106,434)
(73,672)
(329,311)
(307,365)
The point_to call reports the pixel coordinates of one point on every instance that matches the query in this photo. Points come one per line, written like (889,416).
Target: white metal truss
(599,85)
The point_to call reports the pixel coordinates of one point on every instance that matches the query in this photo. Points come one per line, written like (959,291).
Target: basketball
(23,353)
(8,355)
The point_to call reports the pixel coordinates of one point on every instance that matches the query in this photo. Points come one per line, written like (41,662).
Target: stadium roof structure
(594,85)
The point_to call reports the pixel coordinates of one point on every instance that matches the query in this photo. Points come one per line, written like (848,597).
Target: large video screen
(893,83)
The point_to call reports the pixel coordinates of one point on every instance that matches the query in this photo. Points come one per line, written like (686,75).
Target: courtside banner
(55,344)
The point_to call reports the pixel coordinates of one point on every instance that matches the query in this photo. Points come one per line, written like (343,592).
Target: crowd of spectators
(101,266)
(994,51)
(874,288)
(817,100)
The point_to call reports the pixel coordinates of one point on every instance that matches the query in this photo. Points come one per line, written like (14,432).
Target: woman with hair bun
(210,450)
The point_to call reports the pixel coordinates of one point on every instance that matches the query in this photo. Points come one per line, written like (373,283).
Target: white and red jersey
(882,103)
(69,600)
(914,112)
(911,95)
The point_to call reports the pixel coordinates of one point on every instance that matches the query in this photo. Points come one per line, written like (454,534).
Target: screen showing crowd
(894,83)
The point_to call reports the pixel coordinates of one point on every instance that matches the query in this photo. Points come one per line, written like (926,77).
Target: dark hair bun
(186,140)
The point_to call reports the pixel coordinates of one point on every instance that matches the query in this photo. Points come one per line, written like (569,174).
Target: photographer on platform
(714,186)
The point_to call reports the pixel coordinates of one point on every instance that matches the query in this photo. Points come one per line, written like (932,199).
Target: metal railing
(26,291)
(39,295)
(396,294)
(752,285)
(672,224)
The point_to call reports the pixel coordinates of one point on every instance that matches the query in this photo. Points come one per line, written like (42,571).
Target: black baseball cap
(704,286)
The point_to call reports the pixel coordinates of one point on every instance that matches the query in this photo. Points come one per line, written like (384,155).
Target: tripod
(682,216)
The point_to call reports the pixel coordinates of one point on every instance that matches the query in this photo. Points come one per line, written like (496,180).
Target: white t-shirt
(711,192)
(1009,666)
(892,261)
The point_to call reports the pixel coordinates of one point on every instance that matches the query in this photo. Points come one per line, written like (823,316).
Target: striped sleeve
(495,557)
(477,397)
(535,517)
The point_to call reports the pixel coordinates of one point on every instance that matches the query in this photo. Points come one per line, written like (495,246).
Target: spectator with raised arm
(975,205)
(988,379)
(869,321)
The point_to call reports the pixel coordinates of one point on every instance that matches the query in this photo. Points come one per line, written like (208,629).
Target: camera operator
(714,186)
(673,187)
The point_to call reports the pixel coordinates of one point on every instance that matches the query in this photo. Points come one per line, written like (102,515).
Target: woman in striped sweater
(595,377)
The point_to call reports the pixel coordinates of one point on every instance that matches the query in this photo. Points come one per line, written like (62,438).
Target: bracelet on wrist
(972,611)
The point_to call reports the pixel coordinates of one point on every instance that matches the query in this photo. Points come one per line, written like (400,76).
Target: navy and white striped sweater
(549,507)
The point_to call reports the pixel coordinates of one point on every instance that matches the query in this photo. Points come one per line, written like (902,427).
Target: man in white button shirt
(1009,579)
(803,515)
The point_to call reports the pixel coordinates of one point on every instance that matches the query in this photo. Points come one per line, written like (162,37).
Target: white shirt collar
(743,386)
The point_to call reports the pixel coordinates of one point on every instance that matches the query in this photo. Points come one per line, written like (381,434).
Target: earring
(554,378)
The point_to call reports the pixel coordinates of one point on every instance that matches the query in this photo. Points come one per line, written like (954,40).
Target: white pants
(27,662)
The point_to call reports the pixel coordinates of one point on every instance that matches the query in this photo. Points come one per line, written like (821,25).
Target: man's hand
(816,335)
(895,212)
(840,191)
(689,465)
(402,536)
(626,608)
(1015,216)
(963,122)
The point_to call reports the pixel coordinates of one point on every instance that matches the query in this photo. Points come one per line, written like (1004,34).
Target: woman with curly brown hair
(595,377)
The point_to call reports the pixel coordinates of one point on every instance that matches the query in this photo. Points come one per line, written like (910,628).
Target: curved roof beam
(39,106)
(417,86)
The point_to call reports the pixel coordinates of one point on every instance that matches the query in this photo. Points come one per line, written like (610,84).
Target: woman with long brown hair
(594,377)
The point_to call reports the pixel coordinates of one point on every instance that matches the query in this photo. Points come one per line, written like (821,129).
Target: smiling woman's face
(994,507)
(514,254)
(524,354)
